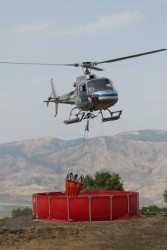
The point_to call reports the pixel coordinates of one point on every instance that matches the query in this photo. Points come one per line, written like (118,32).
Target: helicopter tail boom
(64,99)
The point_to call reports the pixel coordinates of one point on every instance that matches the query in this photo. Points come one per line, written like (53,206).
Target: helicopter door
(83,92)
(82,88)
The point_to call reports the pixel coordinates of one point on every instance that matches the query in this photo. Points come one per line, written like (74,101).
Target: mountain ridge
(41,165)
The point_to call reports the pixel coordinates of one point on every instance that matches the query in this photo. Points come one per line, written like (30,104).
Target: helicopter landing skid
(77,118)
(88,115)
(113,116)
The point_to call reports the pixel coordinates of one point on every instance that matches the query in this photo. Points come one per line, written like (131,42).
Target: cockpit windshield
(100,85)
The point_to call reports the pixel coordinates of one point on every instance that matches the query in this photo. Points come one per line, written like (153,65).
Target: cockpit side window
(91,86)
(82,88)
(108,84)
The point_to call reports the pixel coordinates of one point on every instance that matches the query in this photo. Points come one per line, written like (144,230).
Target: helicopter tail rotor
(56,109)
(54,94)
(53,97)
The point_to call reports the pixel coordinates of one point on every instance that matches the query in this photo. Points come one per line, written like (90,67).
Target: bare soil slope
(25,233)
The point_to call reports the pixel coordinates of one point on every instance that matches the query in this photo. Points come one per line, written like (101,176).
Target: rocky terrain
(41,165)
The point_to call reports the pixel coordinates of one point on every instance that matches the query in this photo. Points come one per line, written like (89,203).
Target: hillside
(41,165)
(145,233)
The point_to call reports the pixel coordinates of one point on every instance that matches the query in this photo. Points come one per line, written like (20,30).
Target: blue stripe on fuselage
(102,95)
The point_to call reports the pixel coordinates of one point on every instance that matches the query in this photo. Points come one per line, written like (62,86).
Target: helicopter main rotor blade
(87,65)
(83,65)
(128,57)
(41,64)
(95,68)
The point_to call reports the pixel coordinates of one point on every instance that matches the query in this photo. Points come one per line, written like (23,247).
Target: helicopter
(91,93)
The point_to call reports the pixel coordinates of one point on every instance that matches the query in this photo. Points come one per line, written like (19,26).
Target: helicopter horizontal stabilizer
(114,116)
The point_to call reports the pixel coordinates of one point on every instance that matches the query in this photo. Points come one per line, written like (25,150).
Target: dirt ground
(25,233)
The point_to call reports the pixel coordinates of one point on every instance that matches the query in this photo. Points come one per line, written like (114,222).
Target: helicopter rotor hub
(86,70)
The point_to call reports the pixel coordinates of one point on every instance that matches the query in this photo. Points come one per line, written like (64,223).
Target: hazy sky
(62,31)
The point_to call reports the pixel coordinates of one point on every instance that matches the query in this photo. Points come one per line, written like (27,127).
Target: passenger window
(82,88)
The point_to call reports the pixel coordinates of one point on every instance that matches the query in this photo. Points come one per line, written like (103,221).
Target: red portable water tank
(87,206)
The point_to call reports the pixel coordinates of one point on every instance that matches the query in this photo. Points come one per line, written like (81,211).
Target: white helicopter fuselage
(91,94)
(94,93)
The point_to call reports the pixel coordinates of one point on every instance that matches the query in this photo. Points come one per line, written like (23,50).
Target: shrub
(103,181)
(152,210)
(21,212)
(3,221)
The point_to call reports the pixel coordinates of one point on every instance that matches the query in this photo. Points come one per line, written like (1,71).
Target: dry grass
(145,233)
